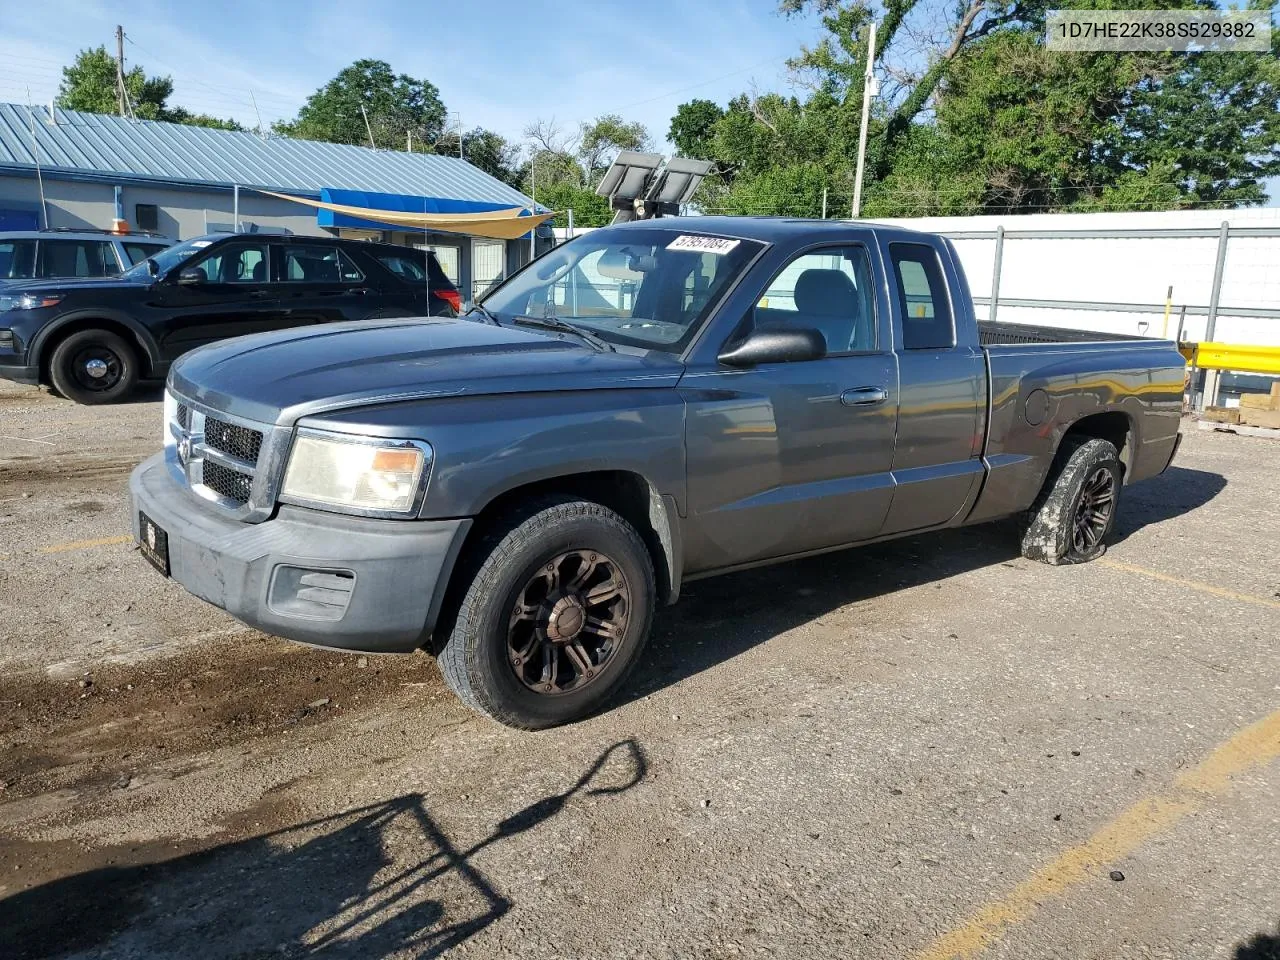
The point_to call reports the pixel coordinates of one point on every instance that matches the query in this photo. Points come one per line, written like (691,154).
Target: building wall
(182,213)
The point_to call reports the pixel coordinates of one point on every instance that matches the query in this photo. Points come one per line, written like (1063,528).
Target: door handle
(259,294)
(358,291)
(864,396)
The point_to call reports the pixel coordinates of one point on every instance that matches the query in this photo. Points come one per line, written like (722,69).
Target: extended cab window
(828,290)
(922,298)
(17,259)
(241,263)
(319,264)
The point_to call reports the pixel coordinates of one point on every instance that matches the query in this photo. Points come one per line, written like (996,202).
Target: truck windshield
(647,288)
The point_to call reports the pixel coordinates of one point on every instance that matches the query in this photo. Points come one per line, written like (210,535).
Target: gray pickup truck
(650,403)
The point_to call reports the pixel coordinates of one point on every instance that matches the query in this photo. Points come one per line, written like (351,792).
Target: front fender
(48,333)
(487,446)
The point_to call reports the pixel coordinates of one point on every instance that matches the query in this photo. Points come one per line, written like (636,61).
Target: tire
(1074,514)
(513,628)
(93,367)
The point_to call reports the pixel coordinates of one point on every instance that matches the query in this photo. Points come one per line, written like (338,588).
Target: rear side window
(77,258)
(313,263)
(414,268)
(17,259)
(137,252)
(922,298)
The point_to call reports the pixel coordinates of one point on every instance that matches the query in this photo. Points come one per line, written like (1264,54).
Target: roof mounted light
(641,186)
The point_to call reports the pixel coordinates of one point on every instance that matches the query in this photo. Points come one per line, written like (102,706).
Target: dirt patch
(94,733)
(66,472)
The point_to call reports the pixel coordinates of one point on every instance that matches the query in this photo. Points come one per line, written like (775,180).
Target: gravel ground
(855,755)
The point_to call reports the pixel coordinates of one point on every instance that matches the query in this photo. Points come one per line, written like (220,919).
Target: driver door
(233,297)
(787,458)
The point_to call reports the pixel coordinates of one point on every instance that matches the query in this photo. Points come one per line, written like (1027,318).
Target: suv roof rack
(104,232)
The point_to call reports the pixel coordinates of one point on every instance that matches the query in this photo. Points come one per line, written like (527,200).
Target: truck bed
(994,332)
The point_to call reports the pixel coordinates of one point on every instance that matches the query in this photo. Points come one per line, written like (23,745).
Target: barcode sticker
(716,245)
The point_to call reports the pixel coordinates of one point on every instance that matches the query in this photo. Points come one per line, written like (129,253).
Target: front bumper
(12,369)
(350,583)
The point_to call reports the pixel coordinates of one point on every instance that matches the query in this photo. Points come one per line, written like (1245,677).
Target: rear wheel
(94,366)
(554,618)
(1072,517)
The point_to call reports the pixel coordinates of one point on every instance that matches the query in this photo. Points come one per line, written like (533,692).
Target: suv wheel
(94,366)
(554,618)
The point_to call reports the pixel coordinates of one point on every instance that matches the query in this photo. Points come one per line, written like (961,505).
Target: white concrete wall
(1125,271)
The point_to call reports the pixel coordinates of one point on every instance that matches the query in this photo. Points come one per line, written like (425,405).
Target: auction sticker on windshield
(716,245)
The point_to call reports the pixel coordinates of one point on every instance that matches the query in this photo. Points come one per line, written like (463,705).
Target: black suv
(93,339)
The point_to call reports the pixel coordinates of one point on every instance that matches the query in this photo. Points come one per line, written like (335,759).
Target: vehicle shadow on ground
(379,880)
(1261,946)
(721,617)
(1173,493)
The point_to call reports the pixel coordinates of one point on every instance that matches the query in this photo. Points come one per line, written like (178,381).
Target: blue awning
(398,202)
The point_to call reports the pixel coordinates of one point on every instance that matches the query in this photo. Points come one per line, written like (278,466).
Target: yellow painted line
(85,544)
(1191,584)
(1253,746)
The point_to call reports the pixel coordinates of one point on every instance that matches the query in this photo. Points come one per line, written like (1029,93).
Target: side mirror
(192,276)
(775,346)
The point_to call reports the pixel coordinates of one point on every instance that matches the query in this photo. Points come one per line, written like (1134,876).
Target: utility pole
(368,129)
(869,90)
(120,93)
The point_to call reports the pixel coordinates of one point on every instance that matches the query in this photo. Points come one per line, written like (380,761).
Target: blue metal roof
(103,145)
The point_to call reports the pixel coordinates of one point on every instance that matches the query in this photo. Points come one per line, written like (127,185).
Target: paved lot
(925,749)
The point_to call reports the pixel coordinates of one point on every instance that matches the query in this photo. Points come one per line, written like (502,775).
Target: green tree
(601,140)
(396,105)
(693,126)
(89,84)
(974,114)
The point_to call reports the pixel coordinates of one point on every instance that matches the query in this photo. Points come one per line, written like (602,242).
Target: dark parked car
(93,340)
(53,254)
(648,404)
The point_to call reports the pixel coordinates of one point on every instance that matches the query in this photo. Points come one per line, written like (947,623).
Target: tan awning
(496,224)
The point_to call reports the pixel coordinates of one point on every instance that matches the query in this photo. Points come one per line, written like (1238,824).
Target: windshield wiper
(555,323)
(484,312)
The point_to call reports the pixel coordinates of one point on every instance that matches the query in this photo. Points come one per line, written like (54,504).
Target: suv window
(828,290)
(17,259)
(410,267)
(241,263)
(313,263)
(922,298)
(137,252)
(77,258)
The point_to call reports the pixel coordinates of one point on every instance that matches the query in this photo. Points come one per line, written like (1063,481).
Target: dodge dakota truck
(515,490)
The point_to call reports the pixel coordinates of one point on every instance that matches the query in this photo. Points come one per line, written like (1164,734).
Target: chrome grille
(228,483)
(220,458)
(240,442)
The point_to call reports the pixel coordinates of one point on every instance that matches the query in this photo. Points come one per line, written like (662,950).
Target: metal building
(64,168)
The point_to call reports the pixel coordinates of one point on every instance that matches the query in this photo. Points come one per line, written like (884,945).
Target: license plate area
(153,543)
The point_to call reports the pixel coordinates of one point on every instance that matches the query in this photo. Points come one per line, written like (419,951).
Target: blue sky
(498,63)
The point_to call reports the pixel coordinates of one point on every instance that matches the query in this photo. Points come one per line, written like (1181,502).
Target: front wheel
(1074,514)
(554,618)
(94,366)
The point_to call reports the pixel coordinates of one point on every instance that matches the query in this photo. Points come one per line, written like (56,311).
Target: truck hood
(282,376)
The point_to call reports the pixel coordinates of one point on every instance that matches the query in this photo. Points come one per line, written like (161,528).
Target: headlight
(28,301)
(357,475)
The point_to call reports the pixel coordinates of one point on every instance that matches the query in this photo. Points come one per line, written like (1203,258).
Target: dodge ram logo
(184,449)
